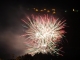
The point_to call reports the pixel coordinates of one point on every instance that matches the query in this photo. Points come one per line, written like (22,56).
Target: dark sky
(43,3)
(10,26)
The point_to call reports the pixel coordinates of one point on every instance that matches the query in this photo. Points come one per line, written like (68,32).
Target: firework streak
(43,34)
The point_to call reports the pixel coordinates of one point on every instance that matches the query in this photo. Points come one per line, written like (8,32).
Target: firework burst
(43,34)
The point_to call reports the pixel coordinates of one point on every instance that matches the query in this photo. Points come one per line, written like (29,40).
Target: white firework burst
(43,34)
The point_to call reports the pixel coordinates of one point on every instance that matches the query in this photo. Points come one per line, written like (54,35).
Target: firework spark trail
(43,34)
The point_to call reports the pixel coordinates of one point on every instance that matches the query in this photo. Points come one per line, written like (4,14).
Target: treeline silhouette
(39,56)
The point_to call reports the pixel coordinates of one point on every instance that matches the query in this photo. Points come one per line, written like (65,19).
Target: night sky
(11,13)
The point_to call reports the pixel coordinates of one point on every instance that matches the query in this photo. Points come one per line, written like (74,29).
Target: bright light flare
(43,34)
